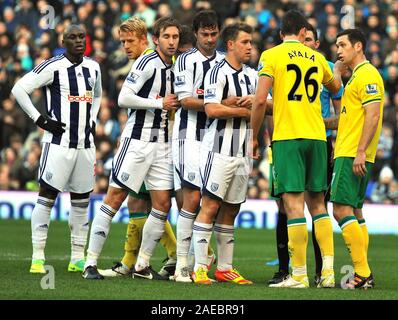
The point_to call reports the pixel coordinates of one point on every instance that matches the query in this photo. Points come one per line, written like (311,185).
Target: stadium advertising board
(260,214)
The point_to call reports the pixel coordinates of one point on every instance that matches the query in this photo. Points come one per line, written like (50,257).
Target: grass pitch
(253,249)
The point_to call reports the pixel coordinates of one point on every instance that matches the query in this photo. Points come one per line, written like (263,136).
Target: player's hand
(170,102)
(341,68)
(48,124)
(359,167)
(253,151)
(245,102)
(230,101)
(93,128)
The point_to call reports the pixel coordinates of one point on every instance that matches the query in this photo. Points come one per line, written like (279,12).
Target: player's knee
(115,197)
(48,193)
(191,201)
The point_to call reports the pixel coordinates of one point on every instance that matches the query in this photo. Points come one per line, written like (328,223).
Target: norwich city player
(312,41)
(356,145)
(295,74)
(133,36)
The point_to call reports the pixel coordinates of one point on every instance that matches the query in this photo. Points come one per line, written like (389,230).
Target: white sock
(184,235)
(98,234)
(151,234)
(191,256)
(40,223)
(78,225)
(201,237)
(225,246)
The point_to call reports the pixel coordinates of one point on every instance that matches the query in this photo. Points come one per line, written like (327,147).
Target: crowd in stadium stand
(25,41)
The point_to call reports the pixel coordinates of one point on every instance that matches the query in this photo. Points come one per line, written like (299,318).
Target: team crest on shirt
(214,187)
(125,176)
(90,82)
(250,88)
(210,93)
(191,176)
(49,175)
(132,77)
(180,81)
(371,88)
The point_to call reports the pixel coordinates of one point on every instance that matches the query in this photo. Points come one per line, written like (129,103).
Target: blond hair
(136,25)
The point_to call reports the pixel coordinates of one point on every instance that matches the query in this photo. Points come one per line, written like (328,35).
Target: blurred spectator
(381,188)
(185,12)
(12,120)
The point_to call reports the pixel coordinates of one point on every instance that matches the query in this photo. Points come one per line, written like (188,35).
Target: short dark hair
(163,23)
(186,36)
(205,19)
(354,36)
(231,31)
(292,22)
(313,30)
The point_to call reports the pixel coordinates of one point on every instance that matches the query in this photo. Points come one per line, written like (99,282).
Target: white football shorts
(139,161)
(67,169)
(224,178)
(186,160)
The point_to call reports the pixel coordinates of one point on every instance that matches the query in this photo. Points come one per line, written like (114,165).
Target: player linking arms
(224,163)
(144,153)
(133,36)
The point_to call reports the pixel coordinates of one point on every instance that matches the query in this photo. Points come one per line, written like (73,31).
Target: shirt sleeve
(369,90)
(214,86)
(183,82)
(137,76)
(97,94)
(327,72)
(37,78)
(266,65)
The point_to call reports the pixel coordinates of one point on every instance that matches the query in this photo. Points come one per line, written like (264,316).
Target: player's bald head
(71,29)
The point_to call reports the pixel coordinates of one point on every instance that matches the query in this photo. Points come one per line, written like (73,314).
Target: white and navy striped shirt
(228,136)
(69,91)
(190,70)
(149,78)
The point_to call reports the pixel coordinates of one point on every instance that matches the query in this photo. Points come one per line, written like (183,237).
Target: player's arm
(333,80)
(22,90)
(372,116)
(214,107)
(333,122)
(129,98)
(96,100)
(220,111)
(259,109)
(184,84)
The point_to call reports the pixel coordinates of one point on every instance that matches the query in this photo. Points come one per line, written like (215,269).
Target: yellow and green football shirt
(297,72)
(364,87)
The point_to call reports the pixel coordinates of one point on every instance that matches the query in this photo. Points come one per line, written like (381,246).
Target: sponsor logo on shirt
(86,98)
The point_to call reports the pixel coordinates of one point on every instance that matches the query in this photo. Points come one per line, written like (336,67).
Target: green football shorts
(272,195)
(144,193)
(299,165)
(347,188)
